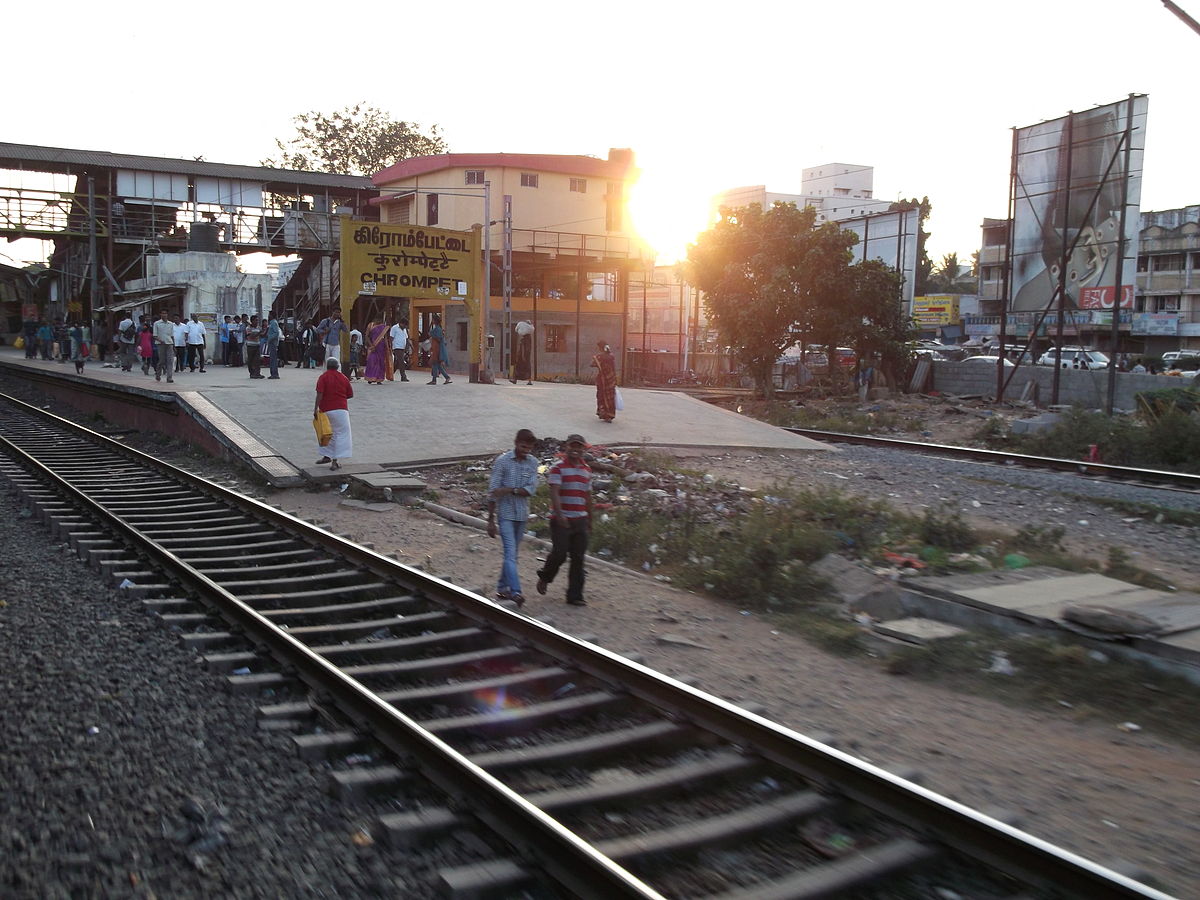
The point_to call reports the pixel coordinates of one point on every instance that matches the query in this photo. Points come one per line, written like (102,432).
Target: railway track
(1156,478)
(597,776)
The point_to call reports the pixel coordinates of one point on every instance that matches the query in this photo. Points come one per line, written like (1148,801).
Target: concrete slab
(918,631)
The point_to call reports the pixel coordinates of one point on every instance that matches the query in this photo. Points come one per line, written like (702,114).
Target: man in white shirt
(195,343)
(400,348)
(180,343)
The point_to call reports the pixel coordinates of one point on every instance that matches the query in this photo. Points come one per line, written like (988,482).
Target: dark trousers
(195,354)
(570,538)
(253,358)
(180,357)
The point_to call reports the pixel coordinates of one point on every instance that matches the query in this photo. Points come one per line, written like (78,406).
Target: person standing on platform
(253,345)
(606,382)
(304,338)
(400,347)
(570,482)
(438,357)
(80,337)
(127,341)
(195,344)
(514,480)
(29,329)
(354,355)
(274,333)
(164,346)
(237,342)
(378,366)
(523,365)
(223,338)
(333,392)
(180,344)
(145,343)
(331,331)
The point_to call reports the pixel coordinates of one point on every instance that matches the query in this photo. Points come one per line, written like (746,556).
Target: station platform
(397,424)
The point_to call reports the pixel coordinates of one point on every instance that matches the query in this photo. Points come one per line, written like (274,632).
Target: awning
(129,299)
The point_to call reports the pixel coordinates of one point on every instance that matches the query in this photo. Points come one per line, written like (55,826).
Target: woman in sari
(438,357)
(606,382)
(379,353)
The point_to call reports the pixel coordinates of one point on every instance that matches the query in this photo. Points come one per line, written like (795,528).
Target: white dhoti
(341,445)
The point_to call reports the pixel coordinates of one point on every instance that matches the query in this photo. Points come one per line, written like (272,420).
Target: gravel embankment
(128,770)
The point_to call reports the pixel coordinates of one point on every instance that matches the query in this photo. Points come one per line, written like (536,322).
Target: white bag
(620,401)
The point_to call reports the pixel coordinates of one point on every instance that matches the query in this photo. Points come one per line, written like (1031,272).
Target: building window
(461,330)
(1169,262)
(579,185)
(1195,261)
(1143,264)
(474,176)
(1167,304)
(556,338)
(400,213)
(529,179)
(431,209)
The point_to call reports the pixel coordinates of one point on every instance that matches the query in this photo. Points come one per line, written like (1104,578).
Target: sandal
(323,460)
(335,465)
(518,599)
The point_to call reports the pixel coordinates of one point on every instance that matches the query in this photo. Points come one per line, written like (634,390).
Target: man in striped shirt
(570,482)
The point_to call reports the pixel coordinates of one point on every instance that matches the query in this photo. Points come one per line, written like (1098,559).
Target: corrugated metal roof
(59,159)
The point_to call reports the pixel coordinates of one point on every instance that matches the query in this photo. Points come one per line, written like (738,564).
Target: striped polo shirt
(574,486)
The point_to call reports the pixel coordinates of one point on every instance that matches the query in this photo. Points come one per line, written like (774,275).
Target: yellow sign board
(407,261)
(936,309)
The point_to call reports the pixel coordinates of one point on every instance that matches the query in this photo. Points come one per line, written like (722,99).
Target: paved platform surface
(403,423)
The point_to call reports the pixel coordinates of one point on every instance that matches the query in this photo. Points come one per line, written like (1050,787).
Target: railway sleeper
(433,666)
(361,782)
(409,829)
(317,563)
(653,735)
(272,547)
(393,626)
(398,646)
(840,877)
(481,879)
(341,579)
(369,590)
(344,611)
(524,717)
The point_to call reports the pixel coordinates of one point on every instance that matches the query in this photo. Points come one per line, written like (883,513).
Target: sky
(708,95)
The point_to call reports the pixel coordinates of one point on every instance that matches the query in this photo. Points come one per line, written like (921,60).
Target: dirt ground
(1116,797)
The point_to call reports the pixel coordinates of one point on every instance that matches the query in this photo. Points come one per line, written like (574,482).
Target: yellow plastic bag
(19,343)
(324,429)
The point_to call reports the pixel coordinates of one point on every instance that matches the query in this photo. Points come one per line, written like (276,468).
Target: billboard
(935,309)
(1071,179)
(407,260)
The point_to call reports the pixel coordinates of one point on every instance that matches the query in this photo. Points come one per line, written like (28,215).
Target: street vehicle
(1074,358)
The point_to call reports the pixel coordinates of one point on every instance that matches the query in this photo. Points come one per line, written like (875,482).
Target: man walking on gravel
(570,482)
(514,480)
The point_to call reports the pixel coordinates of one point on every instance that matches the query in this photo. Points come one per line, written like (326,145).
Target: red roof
(618,165)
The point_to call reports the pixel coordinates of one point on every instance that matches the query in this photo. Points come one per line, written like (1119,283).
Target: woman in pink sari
(379,353)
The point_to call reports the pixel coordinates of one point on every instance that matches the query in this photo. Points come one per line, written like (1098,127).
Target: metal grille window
(431,209)
(579,185)
(556,338)
(529,179)
(475,176)
(1167,304)
(1169,262)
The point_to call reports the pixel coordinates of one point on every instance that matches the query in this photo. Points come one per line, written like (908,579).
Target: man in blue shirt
(271,342)
(514,480)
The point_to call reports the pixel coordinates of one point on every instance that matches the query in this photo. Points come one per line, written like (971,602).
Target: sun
(668,211)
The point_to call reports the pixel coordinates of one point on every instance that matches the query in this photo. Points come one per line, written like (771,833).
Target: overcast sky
(709,95)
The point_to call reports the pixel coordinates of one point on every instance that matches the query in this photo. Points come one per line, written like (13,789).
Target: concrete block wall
(1086,387)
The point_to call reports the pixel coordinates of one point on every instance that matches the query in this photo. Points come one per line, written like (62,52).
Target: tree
(948,279)
(881,329)
(764,274)
(357,140)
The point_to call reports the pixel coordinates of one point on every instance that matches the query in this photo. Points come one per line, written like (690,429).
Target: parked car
(989,361)
(1074,358)
(1181,359)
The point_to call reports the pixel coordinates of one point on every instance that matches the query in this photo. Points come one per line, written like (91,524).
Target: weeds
(1064,677)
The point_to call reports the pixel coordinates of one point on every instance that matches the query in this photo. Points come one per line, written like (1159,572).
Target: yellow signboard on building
(936,309)
(407,261)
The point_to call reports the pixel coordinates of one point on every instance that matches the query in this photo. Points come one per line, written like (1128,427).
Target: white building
(844,193)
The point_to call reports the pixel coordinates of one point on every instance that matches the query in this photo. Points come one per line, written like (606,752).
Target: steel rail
(571,861)
(974,834)
(1181,480)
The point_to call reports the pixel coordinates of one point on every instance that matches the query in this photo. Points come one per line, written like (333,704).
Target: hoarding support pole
(1064,260)
(1119,287)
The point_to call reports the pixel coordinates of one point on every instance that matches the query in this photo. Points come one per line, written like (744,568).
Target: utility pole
(1184,17)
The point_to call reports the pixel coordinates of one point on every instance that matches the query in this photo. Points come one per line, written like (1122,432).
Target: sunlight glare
(668,212)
